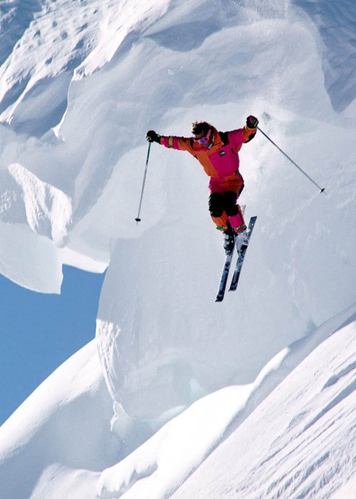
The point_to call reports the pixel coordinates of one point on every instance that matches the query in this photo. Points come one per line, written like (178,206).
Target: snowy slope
(59,433)
(167,337)
(300,442)
(272,439)
(81,82)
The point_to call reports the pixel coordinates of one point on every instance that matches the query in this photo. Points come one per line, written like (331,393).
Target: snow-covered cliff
(81,82)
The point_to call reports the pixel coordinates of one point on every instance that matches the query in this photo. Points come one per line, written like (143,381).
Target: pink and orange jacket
(221,160)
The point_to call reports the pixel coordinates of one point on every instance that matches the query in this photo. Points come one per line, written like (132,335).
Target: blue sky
(40,331)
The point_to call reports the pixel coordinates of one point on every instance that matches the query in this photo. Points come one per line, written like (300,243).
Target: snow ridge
(81,82)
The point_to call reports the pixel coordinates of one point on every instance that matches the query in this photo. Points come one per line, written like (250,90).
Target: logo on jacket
(222,153)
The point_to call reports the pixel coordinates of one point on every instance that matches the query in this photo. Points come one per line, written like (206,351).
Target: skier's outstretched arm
(245,134)
(170,141)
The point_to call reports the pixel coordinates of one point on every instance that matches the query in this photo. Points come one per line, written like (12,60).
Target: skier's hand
(152,136)
(251,122)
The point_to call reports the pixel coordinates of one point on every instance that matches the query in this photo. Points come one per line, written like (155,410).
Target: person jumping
(217,152)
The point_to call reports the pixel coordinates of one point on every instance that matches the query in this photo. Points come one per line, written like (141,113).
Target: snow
(304,434)
(279,426)
(252,397)
(60,418)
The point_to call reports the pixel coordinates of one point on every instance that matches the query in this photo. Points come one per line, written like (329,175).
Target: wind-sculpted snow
(15,18)
(66,420)
(73,398)
(336,23)
(166,460)
(55,42)
(79,89)
(48,211)
(308,452)
(169,335)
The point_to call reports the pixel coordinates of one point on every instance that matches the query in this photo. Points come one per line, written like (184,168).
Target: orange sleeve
(248,133)
(173,142)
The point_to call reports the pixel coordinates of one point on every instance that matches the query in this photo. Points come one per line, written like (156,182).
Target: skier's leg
(230,206)
(220,218)
(237,221)
(234,212)
(216,209)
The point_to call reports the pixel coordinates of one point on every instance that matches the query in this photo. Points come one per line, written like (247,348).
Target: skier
(217,152)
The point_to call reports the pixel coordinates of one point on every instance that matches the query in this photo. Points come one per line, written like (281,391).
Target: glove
(251,122)
(152,136)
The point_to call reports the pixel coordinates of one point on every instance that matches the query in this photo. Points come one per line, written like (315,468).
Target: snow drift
(80,85)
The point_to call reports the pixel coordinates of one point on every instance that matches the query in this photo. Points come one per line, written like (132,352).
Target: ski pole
(321,189)
(138,219)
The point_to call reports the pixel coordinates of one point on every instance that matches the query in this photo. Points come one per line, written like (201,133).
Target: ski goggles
(205,139)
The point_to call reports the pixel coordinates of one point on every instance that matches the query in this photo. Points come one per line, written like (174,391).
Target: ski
(241,254)
(224,276)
